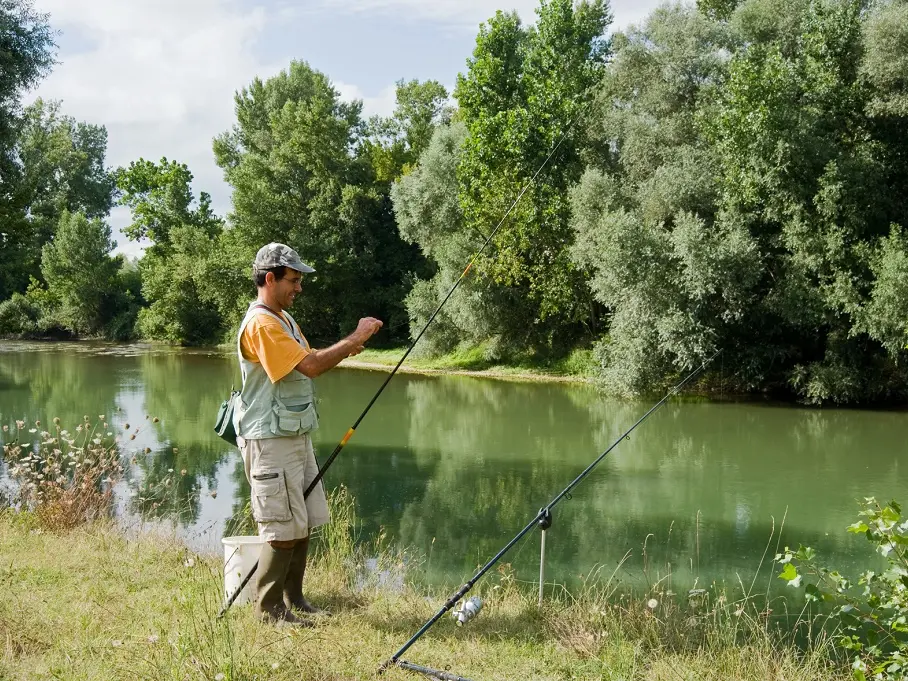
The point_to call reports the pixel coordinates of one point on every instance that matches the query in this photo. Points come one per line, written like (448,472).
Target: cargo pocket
(289,422)
(294,386)
(270,501)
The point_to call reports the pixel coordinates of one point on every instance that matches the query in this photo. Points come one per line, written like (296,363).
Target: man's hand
(367,327)
(318,362)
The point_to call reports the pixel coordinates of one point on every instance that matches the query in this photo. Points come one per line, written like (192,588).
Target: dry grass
(65,478)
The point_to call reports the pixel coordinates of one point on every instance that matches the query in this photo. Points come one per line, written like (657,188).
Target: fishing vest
(265,409)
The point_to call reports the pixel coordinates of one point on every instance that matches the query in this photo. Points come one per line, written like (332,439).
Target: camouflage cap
(277,255)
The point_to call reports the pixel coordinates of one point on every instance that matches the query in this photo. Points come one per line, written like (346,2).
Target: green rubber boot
(269,588)
(293,586)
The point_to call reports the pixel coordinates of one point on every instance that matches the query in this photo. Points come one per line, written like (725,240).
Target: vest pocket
(270,501)
(288,422)
(294,388)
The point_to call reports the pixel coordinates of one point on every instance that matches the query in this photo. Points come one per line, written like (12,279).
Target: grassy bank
(578,366)
(97,603)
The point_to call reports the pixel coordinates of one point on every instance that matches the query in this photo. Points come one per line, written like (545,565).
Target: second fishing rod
(350,431)
(543,519)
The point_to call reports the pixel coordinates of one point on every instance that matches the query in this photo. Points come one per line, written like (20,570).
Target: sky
(161,74)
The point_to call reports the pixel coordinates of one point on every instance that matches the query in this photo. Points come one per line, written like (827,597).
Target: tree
(174,284)
(63,170)
(662,260)
(394,144)
(524,89)
(746,195)
(298,177)
(429,214)
(80,273)
(181,273)
(160,198)
(26,55)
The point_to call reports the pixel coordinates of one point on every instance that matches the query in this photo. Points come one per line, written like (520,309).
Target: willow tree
(749,197)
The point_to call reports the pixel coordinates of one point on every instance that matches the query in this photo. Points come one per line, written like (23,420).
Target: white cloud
(470,13)
(458,12)
(160,74)
(380,105)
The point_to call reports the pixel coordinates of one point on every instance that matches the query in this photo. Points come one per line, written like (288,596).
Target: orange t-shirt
(266,340)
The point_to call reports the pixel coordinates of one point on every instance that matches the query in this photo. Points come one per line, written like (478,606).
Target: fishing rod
(350,431)
(544,519)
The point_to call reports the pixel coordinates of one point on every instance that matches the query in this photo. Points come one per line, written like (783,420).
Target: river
(451,467)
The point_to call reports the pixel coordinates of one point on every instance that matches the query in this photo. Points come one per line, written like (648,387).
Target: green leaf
(890,514)
(789,573)
(806,553)
(812,593)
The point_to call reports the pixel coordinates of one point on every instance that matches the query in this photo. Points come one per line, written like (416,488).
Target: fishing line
(350,431)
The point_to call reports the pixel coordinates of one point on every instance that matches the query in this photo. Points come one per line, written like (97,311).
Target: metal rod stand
(541,567)
(545,522)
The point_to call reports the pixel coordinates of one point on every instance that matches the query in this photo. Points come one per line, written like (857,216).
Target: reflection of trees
(468,462)
(41,385)
(184,392)
(165,491)
(494,452)
(241,521)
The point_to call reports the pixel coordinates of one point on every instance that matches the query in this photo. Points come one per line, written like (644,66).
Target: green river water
(452,467)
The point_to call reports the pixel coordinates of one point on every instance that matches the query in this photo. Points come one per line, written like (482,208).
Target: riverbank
(97,603)
(578,367)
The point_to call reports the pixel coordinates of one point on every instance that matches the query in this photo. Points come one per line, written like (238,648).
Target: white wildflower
(189,563)
(116,643)
(153,638)
(652,604)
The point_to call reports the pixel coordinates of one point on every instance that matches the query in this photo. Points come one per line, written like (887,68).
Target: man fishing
(274,422)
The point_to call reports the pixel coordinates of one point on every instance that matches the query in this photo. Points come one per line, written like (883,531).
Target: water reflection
(453,467)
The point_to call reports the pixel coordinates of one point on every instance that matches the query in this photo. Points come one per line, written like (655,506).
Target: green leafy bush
(871,615)
(18,316)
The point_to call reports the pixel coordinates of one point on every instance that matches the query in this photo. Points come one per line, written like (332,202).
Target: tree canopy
(728,175)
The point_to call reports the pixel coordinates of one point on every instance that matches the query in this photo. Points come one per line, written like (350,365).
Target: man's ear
(269,278)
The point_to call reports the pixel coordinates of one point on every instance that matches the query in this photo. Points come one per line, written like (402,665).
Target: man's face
(285,289)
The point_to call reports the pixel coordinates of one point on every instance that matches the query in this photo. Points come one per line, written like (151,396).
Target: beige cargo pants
(279,470)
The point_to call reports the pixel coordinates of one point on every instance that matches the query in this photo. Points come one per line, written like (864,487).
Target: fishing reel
(468,610)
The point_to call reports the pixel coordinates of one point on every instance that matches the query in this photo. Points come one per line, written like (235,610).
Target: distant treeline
(730,175)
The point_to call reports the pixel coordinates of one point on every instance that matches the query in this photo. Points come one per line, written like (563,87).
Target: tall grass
(90,604)
(65,478)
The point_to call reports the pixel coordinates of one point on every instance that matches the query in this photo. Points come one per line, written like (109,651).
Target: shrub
(872,619)
(18,316)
